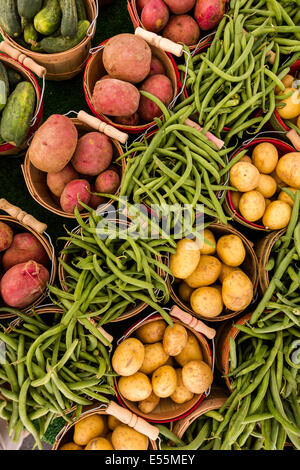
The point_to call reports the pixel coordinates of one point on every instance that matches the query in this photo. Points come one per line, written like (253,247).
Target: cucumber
(30,34)
(81,11)
(18,113)
(69,22)
(4,86)
(14,78)
(10,21)
(4,77)
(48,19)
(29,8)
(61,44)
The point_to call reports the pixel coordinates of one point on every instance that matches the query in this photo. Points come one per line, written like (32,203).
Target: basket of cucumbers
(57,34)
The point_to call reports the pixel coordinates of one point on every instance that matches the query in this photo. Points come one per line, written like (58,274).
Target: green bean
(23,413)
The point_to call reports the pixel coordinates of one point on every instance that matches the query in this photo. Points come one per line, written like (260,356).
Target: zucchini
(29,8)
(10,21)
(69,22)
(81,11)
(61,44)
(48,19)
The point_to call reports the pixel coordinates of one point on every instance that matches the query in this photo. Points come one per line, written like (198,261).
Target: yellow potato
(237,291)
(148,405)
(252,206)
(225,270)
(207,301)
(288,169)
(292,104)
(231,250)
(197,376)
(109,436)
(245,158)
(126,438)
(267,201)
(99,443)
(128,357)
(267,186)
(181,394)
(112,422)
(284,197)
(164,381)
(208,244)
(70,446)
(206,273)
(155,356)
(235,198)
(244,176)
(277,215)
(184,291)
(137,387)
(265,157)
(287,81)
(151,332)
(191,351)
(298,122)
(88,428)
(175,339)
(186,258)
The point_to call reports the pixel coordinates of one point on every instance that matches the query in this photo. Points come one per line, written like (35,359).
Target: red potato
(6,236)
(93,154)
(182,28)
(179,7)
(156,67)
(115,98)
(53,144)
(96,201)
(23,284)
(208,13)
(107,182)
(25,247)
(141,3)
(155,15)
(76,189)
(132,120)
(159,86)
(57,181)
(127,57)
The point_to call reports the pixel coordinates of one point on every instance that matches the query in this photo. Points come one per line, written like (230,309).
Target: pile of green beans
(50,364)
(108,273)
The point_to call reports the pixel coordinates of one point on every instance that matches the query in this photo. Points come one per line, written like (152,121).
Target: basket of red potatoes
(266,178)
(67,162)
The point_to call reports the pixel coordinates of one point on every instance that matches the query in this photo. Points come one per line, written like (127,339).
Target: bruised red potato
(115,97)
(107,182)
(155,15)
(159,86)
(76,189)
(93,154)
(182,28)
(156,67)
(57,181)
(23,284)
(208,13)
(179,7)
(25,247)
(6,236)
(132,120)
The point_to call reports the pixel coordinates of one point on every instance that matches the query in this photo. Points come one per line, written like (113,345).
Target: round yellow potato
(128,357)
(207,301)
(231,250)
(265,157)
(151,332)
(164,381)
(137,387)
(191,351)
(225,270)
(277,215)
(112,422)
(186,258)
(252,206)
(245,158)
(155,356)
(88,428)
(148,405)
(197,376)
(267,186)
(206,273)
(70,446)
(267,201)
(208,245)
(109,436)
(175,339)
(126,438)
(284,197)
(184,291)
(181,394)
(237,291)
(292,104)
(244,176)
(287,81)
(288,169)
(235,198)
(99,443)
(298,122)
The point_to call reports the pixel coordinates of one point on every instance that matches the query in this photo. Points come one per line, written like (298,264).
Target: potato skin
(277,215)
(156,67)
(288,169)
(159,86)
(181,394)
(237,291)
(179,7)
(155,15)
(186,258)
(191,351)
(206,273)
(151,332)
(79,188)
(70,446)
(182,28)
(284,197)
(24,247)
(6,236)
(56,182)
(197,376)
(136,387)
(115,97)
(128,357)
(99,443)
(265,157)
(207,301)
(184,291)
(267,186)
(148,405)
(252,205)
(88,428)
(175,339)
(292,104)
(107,182)
(225,270)
(208,246)
(132,120)
(244,176)
(127,57)
(112,422)
(164,381)
(126,438)
(231,250)
(93,154)
(155,356)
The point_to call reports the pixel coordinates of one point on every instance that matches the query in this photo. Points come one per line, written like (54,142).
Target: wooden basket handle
(132,420)
(22,216)
(193,322)
(160,42)
(218,142)
(23,59)
(104,333)
(294,138)
(101,126)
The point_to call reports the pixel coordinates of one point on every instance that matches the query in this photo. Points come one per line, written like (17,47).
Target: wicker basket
(63,65)
(168,411)
(20,222)
(282,148)
(249,266)
(36,180)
